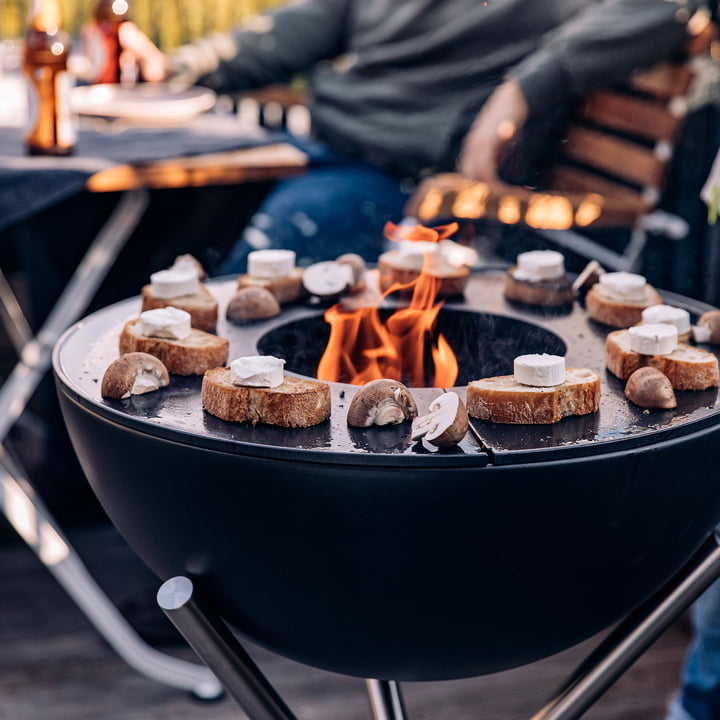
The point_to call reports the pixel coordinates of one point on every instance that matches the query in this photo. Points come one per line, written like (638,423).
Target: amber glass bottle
(51,128)
(101,42)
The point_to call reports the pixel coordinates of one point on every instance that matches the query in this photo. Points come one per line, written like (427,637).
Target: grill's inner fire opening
(484,344)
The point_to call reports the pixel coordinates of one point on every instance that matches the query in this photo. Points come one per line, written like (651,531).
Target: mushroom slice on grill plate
(381,402)
(445,424)
(134,373)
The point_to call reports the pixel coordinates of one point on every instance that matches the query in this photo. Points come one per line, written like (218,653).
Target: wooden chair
(609,170)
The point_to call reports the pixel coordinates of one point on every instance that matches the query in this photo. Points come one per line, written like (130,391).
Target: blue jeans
(699,696)
(340,205)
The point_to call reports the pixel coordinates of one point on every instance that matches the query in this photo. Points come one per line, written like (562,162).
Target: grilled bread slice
(549,293)
(392,269)
(503,399)
(619,314)
(202,306)
(296,403)
(687,367)
(192,355)
(285,289)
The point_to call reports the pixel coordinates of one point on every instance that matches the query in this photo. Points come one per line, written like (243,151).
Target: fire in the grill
(364,346)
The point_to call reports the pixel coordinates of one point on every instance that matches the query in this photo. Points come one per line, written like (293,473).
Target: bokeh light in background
(168,22)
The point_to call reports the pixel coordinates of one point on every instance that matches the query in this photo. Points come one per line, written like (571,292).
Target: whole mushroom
(134,373)
(445,424)
(252,303)
(650,388)
(381,402)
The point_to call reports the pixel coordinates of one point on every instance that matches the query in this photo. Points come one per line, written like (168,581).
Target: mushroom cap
(134,373)
(647,387)
(252,303)
(711,320)
(381,402)
(445,424)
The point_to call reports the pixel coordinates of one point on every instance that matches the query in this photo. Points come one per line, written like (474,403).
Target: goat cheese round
(622,286)
(257,371)
(167,322)
(538,265)
(181,279)
(540,370)
(667,314)
(653,339)
(270,264)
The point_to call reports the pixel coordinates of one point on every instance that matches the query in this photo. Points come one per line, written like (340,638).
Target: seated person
(699,695)
(405,88)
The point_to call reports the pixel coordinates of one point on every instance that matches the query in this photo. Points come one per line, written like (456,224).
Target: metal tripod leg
(386,700)
(215,645)
(633,636)
(21,505)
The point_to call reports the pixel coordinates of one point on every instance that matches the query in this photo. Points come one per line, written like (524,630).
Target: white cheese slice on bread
(201,305)
(503,399)
(687,367)
(296,403)
(192,355)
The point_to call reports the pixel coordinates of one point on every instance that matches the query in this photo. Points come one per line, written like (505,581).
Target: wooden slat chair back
(609,170)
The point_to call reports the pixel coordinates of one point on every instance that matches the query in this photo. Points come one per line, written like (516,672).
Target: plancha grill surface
(363,553)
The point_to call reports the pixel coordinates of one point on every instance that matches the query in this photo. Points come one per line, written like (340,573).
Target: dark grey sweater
(398,82)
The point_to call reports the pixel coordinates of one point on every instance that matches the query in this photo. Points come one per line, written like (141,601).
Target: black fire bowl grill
(361,552)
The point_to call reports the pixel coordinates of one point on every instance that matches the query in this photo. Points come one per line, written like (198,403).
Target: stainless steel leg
(386,700)
(632,637)
(211,639)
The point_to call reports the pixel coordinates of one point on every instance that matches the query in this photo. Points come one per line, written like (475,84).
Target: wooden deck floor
(54,665)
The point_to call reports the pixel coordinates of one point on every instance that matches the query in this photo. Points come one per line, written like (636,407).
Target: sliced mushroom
(650,388)
(134,373)
(381,402)
(710,323)
(445,424)
(358,267)
(328,279)
(252,303)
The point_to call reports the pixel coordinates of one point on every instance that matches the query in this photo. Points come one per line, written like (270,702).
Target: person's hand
(150,60)
(493,132)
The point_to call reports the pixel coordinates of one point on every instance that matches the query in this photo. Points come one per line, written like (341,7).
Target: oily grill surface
(89,347)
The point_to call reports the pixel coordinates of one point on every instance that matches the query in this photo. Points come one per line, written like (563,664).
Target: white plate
(146,103)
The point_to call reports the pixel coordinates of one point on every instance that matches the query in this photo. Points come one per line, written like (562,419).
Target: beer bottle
(101,42)
(51,125)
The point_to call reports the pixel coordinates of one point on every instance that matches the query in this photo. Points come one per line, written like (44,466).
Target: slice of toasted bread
(202,306)
(193,355)
(549,293)
(296,403)
(392,269)
(687,367)
(504,400)
(285,289)
(619,314)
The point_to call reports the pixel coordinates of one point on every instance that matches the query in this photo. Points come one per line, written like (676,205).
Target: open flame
(364,347)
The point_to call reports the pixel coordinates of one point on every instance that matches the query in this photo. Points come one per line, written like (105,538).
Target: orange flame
(363,347)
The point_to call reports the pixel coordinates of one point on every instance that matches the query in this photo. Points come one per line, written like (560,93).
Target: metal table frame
(22,506)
